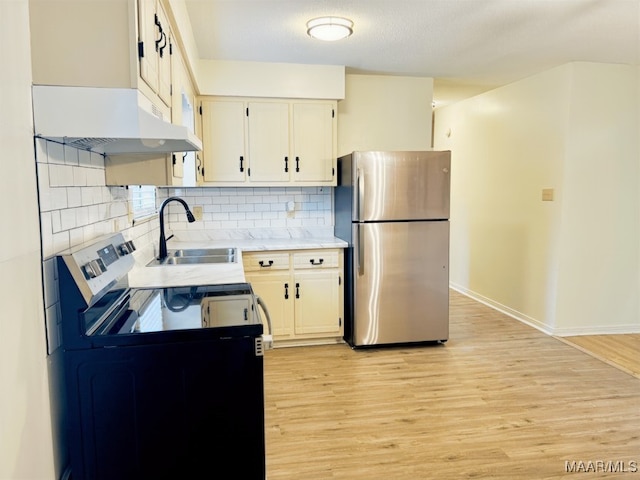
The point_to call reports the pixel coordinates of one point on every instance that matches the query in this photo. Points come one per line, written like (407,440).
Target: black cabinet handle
(297,290)
(297,164)
(241,163)
(246,314)
(262,265)
(286,291)
(286,164)
(164,37)
(160,32)
(313,261)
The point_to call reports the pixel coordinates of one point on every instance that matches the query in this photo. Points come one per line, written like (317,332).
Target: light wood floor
(499,400)
(620,351)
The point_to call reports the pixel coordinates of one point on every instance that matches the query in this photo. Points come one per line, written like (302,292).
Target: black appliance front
(166,410)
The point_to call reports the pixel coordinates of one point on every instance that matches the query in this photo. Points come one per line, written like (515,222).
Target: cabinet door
(317,307)
(269,142)
(149,33)
(164,58)
(177,167)
(313,142)
(276,291)
(223,141)
(225,312)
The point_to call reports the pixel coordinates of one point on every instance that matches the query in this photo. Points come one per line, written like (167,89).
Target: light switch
(197,212)
(547,194)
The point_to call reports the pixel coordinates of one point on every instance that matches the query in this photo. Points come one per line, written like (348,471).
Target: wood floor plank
(498,400)
(621,351)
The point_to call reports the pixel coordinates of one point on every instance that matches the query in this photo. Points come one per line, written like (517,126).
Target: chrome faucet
(162,247)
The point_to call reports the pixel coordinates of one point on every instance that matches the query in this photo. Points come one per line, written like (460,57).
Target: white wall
(385,113)
(570,129)
(599,235)
(25,426)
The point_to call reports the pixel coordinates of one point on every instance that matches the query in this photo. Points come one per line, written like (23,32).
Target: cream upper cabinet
(103,44)
(278,142)
(313,154)
(223,138)
(268,135)
(303,292)
(155,47)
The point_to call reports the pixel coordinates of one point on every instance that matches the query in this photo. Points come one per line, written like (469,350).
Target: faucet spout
(162,246)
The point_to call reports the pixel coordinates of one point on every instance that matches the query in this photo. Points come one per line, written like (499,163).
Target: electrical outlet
(197,212)
(547,194)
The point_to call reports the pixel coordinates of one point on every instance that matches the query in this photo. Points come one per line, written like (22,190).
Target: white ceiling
(474,45)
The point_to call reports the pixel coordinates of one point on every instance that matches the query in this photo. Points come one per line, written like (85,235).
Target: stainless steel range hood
(110,121)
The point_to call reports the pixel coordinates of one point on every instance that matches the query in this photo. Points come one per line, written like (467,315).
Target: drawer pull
(286,291)
(262,264)
(313,261)
(297,290)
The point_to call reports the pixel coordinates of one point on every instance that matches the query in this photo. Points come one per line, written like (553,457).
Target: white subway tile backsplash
(68,219)
(60,175)
(82,215)
(84,158)
(55,152)
(60,241)
(71,155)
(80,176)
(58,197)
(41,150)
(76,236)
(56,223)
(74,198)
(97,160)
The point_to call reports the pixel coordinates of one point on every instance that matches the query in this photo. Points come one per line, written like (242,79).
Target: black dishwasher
(146,390)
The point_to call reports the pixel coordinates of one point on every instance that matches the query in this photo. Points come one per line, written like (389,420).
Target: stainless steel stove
(155,383)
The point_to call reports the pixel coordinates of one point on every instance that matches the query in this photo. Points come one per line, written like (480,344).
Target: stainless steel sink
(202,252)
(197,256)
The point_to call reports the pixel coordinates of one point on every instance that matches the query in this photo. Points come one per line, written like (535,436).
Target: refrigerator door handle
(360,179)
(360,250)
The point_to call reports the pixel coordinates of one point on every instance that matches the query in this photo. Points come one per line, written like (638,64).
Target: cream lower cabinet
(303,292)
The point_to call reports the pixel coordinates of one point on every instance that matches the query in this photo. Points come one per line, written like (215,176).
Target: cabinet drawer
(265,261)
(315,259)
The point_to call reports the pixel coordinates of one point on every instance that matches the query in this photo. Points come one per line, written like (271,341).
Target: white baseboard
(532,322)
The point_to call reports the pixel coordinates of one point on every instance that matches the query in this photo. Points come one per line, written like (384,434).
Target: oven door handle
(266,339)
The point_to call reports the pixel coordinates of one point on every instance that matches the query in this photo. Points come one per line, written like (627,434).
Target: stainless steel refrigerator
(393,210)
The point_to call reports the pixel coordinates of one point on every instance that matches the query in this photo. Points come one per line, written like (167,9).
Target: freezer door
(400,282)
(401,185)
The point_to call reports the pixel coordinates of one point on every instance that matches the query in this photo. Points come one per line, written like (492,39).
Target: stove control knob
(94,269)
(126,248)
(87,269)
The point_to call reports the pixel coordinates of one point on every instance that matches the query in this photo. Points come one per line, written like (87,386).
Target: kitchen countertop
(220,273)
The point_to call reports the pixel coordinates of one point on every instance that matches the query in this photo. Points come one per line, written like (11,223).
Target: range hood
(109,121)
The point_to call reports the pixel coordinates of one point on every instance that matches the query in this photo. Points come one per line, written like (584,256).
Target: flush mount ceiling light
(329,29)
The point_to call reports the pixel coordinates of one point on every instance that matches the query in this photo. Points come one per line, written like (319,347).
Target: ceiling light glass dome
(329,29)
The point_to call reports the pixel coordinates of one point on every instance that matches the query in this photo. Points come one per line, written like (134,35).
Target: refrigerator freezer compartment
(393,186)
